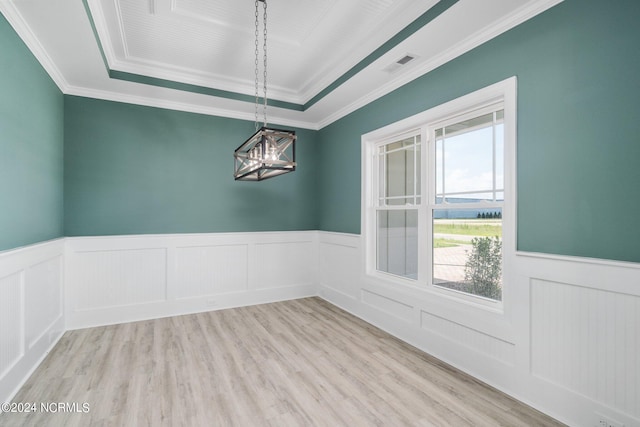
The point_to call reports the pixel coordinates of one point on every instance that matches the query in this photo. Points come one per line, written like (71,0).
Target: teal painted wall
(578,135)
(31,146)
(136,170)
(132,169)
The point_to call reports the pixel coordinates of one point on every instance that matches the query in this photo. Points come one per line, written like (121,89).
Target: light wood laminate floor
(294,363)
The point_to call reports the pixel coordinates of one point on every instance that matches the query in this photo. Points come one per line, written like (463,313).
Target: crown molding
(128,63)
(20,26)
(193,77)
(477,39)
(182,106)
(321,79)
(23,30)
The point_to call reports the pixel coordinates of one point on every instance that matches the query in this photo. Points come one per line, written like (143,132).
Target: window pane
(469,161)
(469,158)
(400,173)
(469,198)
(399,166)
(500,156)
(467,251)
(398,242)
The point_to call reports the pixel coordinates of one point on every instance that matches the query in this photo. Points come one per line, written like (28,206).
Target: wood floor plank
(295,363)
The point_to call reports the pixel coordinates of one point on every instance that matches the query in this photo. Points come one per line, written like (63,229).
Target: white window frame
(415,206)
(503,92)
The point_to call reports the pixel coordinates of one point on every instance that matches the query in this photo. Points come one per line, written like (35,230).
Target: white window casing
(501,95)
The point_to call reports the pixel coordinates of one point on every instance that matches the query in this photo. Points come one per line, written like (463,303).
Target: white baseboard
(156,310)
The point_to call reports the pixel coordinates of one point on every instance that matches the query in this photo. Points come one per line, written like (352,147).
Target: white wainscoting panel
(31,310)
(473,339)
(567,344)
(211,270)
(270,258)
(389,306)
(43,298)
(339,263)
(120,277)
(587,340)
(116,279)
(11,322)
(570,349)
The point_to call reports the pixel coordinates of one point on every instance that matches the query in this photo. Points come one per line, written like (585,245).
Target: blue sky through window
(468,163)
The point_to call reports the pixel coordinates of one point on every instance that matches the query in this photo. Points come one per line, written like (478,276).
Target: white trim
(102,33)
(321,79)
(496,353)
(20,26)
(477,99)
(81,319)
(504,357)
(34,344)
(22,257)
(183,106)
(116,279)
(128,63)
(28,248)
(527,12)
(606,275)
(226,237)
(186,75)
(578,259)
(29,364)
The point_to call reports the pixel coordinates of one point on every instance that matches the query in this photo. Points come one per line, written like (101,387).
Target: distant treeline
(450,212)
(490,215)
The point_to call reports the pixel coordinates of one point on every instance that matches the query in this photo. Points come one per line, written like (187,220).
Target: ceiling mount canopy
(268,152)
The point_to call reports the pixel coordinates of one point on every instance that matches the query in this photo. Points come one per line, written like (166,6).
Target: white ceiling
(210,44)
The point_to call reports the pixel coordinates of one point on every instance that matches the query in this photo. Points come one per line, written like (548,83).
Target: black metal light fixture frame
(269,152)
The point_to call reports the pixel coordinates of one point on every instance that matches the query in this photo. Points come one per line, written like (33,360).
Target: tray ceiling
(211,43)
(326,57)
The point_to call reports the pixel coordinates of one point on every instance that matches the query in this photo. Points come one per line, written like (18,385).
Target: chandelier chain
(257,52)
(264,50)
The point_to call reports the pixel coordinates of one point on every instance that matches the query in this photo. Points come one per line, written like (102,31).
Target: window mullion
(493,133)
(429,160)
(385,178)
(444,192)
(415,170)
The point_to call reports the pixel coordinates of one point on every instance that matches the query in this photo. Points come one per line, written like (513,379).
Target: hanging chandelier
(268,152)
